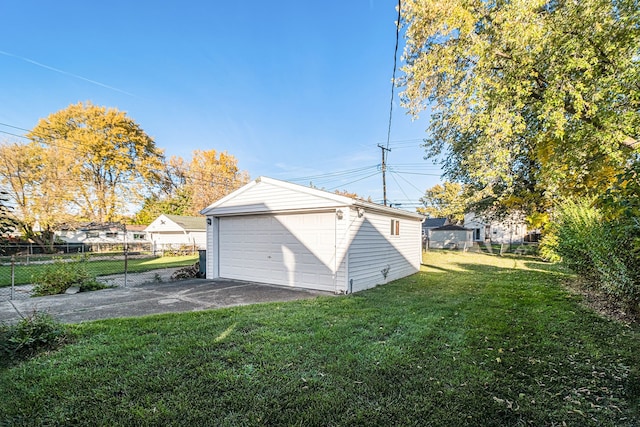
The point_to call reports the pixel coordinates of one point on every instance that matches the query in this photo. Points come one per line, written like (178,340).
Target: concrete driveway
(156,298)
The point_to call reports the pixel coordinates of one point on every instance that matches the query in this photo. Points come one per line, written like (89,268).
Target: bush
(31,335)
(62,274)
(601,250)
(549,247)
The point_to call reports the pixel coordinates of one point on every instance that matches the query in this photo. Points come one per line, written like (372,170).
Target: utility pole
(384,170)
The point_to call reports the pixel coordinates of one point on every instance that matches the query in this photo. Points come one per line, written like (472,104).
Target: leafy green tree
(529,99)
(111,160)
(444,201)
(155,205)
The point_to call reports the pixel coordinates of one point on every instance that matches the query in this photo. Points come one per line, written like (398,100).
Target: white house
(170,232)
(511,229)
(103,233)
(286,234)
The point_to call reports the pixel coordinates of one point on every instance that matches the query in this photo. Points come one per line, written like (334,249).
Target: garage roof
(268,195)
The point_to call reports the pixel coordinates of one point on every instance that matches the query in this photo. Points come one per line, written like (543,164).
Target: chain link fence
(519,248)
(115,265)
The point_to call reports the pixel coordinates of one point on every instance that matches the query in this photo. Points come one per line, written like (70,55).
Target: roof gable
(268,195)
(166,222)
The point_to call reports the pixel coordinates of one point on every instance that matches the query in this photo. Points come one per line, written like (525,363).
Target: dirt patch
(602,304)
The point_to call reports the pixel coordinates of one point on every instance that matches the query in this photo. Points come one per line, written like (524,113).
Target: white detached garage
(286,234)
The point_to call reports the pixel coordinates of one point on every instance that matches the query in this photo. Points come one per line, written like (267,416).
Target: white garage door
(290,250)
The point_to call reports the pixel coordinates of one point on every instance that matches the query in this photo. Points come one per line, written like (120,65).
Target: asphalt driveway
(156,298)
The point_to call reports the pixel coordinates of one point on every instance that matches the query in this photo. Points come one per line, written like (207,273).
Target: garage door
(289,250)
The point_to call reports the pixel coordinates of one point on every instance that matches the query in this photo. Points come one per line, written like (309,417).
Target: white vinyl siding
(509,230)
(275,232)
(272,198)
(166,240)
(372,254)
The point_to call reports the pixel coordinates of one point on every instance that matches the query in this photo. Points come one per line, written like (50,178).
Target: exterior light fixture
(208,221)
(339,214)
(360,212)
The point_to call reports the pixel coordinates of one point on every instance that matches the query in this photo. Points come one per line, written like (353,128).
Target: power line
(399,186)
(333,174)
(353,182)
(409,182)
(169,169)
(393,77)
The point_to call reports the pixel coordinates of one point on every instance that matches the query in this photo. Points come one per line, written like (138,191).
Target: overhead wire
(393,76)
(329,178)
(410,183)
(393,175)
(346,177)
(226,181)
(353,182)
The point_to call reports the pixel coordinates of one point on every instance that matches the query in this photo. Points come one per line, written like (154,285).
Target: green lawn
(100,267)
(474,339)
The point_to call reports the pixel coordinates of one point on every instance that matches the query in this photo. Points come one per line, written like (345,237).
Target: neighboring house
(428,225)
(451,236)
(511,229)
(102,233)
(172,232)
(286,234)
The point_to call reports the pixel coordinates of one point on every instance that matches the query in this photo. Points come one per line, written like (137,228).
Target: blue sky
(296,90)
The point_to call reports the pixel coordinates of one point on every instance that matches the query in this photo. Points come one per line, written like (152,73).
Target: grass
(473,340)
(24,273)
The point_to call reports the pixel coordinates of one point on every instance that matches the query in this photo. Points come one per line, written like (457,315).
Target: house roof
(451,227)
(189,223)
(177,223)
(434,222)
(268,195)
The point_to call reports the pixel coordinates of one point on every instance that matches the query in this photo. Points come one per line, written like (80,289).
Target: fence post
(13,275)
(126,262)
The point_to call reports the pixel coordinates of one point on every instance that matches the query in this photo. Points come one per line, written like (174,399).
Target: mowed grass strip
(473,339)
(102,267)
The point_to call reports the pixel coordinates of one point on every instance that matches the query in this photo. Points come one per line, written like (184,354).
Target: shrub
(549,247)
(31,335)
(62,274)
(599,249)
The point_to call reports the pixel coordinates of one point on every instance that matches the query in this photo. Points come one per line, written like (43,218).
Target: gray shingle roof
(434,222)
(189,223)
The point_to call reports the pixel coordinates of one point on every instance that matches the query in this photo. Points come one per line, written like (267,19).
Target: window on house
(92,234)
(111,234)
(138,236)
(395,227)
(476,234)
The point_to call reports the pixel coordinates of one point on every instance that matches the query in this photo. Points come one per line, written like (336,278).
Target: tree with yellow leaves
(109,160)
(211,176)
(529,100)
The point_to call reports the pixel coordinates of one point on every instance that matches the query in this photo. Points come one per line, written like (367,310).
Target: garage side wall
(376,256)
(213,257)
